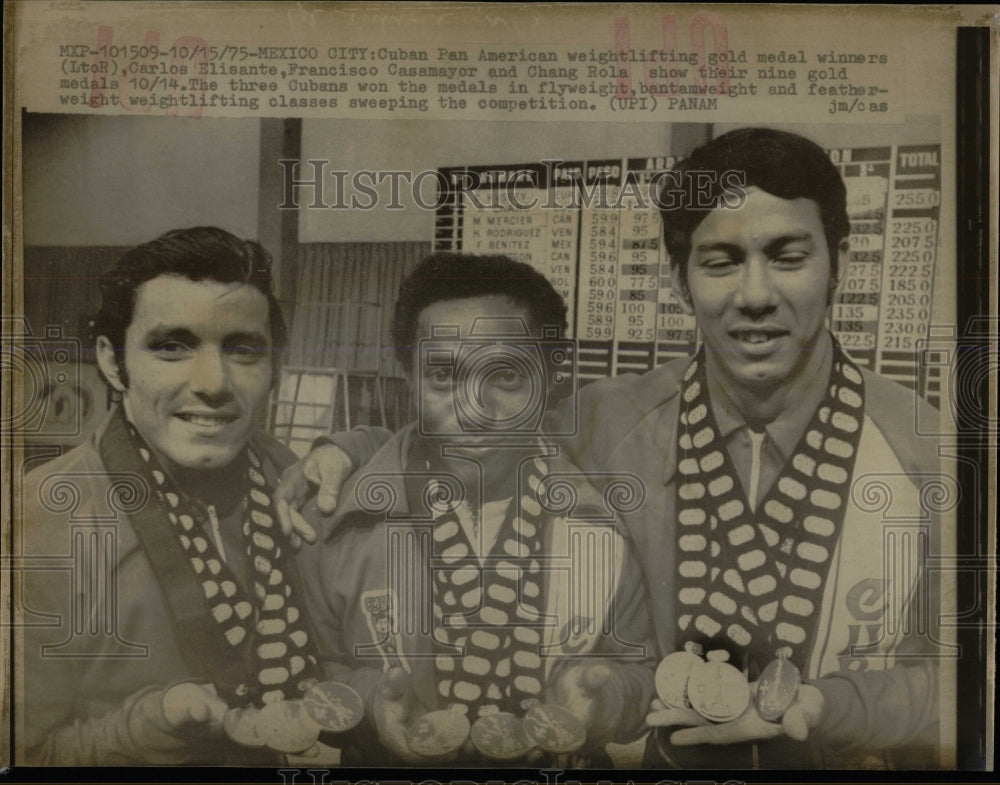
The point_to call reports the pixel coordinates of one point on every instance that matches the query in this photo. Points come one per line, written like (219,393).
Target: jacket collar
(785,431)
(378,491)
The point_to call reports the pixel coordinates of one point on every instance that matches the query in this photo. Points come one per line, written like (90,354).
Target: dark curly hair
(200,253)
(453,276)
(784,164)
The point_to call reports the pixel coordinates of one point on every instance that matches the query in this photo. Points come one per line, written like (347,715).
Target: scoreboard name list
(592,229)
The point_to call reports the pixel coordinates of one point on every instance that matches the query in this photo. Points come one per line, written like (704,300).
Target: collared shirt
(759,456)
(480,524)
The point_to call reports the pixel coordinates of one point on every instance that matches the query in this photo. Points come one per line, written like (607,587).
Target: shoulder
(73,488)
(906,421)
(633,411)
(83,463)
(644,392)
(374,491)
(276,452)
(617,404)
(590,497)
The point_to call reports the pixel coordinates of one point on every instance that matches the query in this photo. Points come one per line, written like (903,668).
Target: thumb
(301,526)
(326,499)
(804,713)
(396,684)
(794,724)
(187,702)
(595,677)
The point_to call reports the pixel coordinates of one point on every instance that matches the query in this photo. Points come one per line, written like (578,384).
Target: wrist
(610,721)
(146,724)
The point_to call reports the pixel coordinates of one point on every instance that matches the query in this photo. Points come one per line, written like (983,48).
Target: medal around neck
(501,736)
(776,688)
(718,691)
(554,728)
(439,733)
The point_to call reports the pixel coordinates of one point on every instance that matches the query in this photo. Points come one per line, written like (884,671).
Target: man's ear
(680,291)
(837,285)
(108,363)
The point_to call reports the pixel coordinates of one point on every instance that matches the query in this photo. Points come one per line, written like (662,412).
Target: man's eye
(246,353)
(718,264)
(508,379)
(791,258)
(171,350)
(439,376)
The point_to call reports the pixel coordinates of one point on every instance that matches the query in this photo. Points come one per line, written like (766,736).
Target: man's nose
(756,291)
(210,377)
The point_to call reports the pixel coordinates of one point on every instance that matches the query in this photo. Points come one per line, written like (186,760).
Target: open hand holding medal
(501,736)
(724,709)
(716,690)
(437,734)
(292,726)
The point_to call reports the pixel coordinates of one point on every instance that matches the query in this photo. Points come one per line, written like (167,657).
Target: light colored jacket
(628,424)
(99,633)
(374,537)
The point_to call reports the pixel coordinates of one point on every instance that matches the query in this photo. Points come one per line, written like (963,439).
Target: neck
(759,406)
(221,488)
(487,474)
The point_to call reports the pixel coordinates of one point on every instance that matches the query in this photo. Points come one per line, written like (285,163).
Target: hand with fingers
(320,475)
(587,690)
(193,704)
(803,715)
(164,726)
(394,708)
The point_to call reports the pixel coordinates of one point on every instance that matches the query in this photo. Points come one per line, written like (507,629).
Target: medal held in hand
(240,725)
(334,706)
(439,733)
(672,678)
(718,691)
(554,728)
(776,688)
(501,736)
(286,727)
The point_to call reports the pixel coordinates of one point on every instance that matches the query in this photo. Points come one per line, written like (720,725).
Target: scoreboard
(593,229)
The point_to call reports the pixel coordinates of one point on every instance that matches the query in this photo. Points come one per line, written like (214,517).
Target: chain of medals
(491,611)
(283,654)
(751,580)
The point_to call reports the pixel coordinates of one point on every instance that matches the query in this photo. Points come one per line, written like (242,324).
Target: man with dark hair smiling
(200,607)
(756,536)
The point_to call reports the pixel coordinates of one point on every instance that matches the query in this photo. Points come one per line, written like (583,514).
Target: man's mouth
(208,420)
(756,337)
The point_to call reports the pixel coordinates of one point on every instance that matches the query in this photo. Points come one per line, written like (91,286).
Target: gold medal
(672,678)
(285,726)
(500,736)
(334,706)
(718,691)
(439,733)
(776,688)
(241,726)
(554,728)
